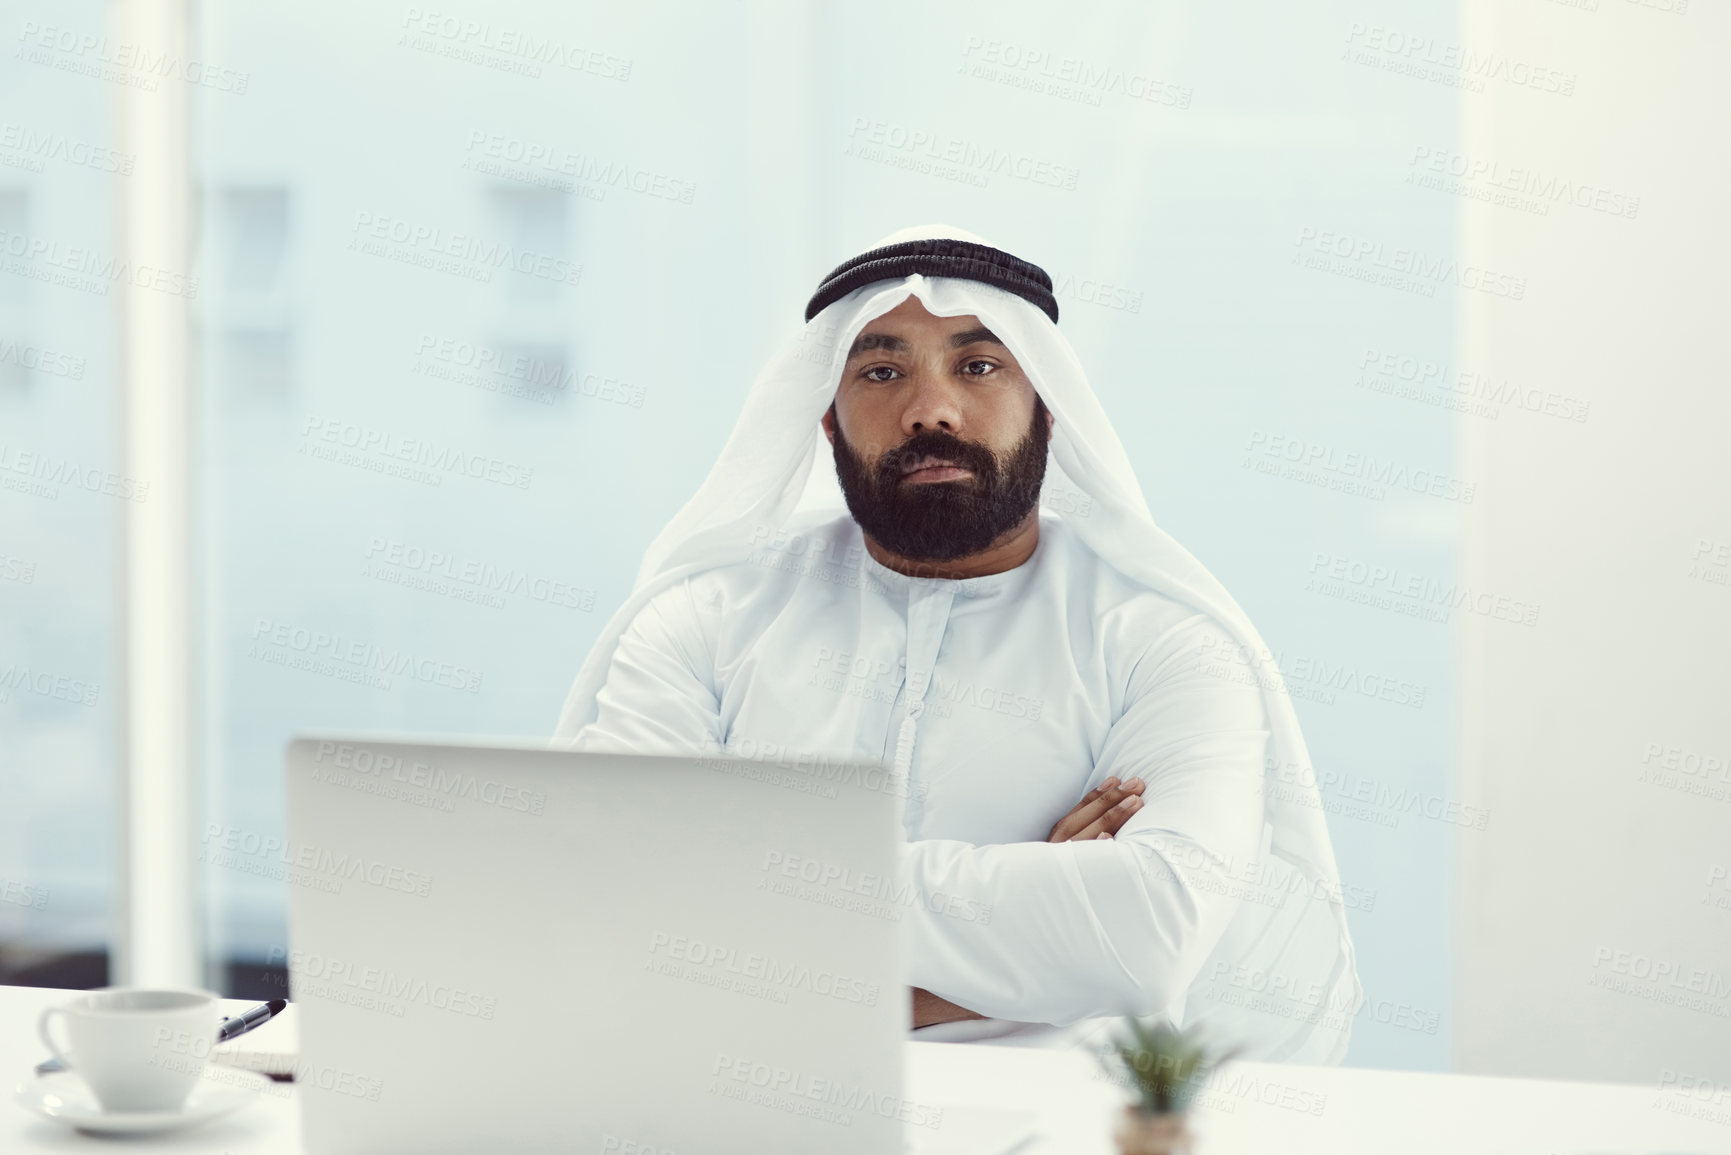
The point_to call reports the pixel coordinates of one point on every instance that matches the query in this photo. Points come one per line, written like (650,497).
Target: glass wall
(63,492)
(486,288)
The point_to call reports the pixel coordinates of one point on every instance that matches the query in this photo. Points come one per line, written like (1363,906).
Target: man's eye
(872,373)
(974,368)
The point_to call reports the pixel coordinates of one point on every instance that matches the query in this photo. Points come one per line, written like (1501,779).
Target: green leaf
(1166,1065)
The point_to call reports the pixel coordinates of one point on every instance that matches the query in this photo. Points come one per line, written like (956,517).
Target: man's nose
(932,405)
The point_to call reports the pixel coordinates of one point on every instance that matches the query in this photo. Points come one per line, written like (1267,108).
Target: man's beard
(943,520)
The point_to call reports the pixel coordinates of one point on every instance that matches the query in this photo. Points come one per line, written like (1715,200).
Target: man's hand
(1101,812)
(1099,815)
(929,1009)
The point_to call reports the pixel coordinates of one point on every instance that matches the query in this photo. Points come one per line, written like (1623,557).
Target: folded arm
(1032,931)
(1055,933)
(1100,814)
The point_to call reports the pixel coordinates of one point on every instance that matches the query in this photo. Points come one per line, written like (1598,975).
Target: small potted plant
(1165,1067)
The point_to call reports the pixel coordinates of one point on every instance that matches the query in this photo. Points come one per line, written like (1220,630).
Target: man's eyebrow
(970,336)
(894,344)
(869,341)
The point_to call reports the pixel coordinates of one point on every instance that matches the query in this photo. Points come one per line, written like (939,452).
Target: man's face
(939,438)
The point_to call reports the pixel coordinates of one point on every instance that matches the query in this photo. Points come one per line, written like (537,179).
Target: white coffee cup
(137,1049)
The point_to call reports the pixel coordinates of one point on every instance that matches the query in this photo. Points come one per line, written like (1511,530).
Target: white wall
(1586,858)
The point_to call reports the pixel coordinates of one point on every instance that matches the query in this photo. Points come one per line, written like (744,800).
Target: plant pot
(1141,1133)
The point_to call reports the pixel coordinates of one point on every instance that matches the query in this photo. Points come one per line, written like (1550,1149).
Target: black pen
(234,1028)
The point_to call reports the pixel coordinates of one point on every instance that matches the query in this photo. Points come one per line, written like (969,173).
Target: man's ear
(1051,421)
(828,424)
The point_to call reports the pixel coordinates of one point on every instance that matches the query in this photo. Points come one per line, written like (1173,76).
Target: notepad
(272,1049)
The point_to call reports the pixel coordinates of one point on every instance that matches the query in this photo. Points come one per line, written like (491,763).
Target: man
(1080,712)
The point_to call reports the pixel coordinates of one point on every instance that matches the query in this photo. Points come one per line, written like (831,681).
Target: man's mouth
(935,469)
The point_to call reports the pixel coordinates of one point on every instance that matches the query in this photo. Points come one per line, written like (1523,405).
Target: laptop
(510,948)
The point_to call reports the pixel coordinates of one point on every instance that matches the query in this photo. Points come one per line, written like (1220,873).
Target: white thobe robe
(1026,688)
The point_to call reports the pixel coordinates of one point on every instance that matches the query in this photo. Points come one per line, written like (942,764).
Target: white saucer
(63,1097)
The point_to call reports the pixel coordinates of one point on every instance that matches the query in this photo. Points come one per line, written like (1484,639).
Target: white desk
(1251,1107)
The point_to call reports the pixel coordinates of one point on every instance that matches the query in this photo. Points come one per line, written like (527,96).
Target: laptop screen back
(515,949)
